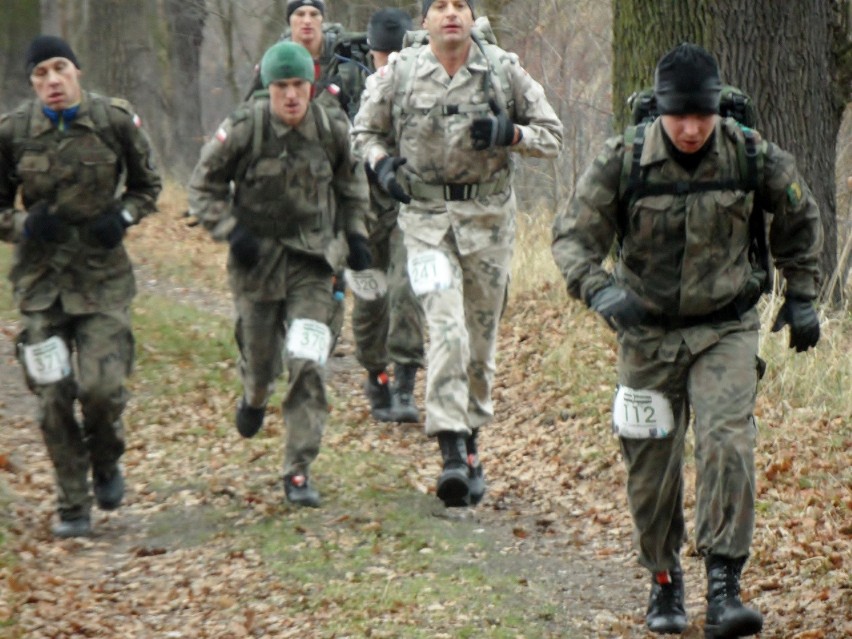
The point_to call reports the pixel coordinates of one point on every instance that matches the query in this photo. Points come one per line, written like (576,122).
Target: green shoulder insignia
(794,194)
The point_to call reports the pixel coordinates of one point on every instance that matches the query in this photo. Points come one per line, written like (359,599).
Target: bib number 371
(47,362)
(641,414)
(308,339)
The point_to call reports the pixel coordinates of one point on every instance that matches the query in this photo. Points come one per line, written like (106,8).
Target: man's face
(689,132)
(289,99)
(449,23)
(306,27)
(57,83)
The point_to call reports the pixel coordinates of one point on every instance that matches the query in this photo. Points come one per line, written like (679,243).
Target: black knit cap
(292,5)
(428,3)
(45,47)
(686,81)
(386,29)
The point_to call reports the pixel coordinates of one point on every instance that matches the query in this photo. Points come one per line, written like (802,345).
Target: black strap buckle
(459,192)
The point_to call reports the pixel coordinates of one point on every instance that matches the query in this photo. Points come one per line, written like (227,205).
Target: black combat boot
(109,486)
(403,409)
(299,491)
(249,419)
(727,617)
(378,393)
(476,475)
(454,482)
(666,613)
(78,526)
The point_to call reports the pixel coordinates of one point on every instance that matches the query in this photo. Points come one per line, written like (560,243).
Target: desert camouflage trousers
(462,327)
(719,383)
(389,329)
(101,347)
(261,334)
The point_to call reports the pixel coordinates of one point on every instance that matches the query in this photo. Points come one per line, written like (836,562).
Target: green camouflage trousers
(389,329)
(462,323)
(101,347)
(261,334)
(719,383)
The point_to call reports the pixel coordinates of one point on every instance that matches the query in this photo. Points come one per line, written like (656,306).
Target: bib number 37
(641,414)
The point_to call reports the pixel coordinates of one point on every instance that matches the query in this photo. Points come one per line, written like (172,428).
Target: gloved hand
(245,246)
(372,178)
(41,225)
(110,226)
(801,315)
(386,175)
(360,257)
(492,130)
(620,307)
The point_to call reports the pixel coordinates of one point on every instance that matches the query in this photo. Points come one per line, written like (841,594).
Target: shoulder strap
(326,135)
(631,174)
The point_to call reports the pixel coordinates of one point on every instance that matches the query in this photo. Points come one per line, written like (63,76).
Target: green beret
(285,60)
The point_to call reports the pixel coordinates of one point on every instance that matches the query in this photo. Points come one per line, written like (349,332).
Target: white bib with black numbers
(308,339)
(429,272)
(641,414)
(49,361)
(369,284)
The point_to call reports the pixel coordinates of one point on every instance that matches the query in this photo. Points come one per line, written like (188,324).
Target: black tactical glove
(245,246)
(372,178)
(110,226)
(41,225)
(386,175)
(360,257)
(620,307)
(492,130)
(801,315)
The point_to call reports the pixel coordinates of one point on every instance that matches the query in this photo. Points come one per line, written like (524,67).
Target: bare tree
(781,52)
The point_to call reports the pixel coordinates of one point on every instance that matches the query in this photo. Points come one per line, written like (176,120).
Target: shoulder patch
(794,194)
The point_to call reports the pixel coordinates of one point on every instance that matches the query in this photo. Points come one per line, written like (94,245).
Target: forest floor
(205,546)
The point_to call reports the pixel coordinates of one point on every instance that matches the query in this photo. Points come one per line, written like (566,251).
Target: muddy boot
(79,526)
(109,486)
(666,612)
(403,409)
(727,617)
(453,484)
(299,491)
(378,393)
(249,419)
(476,475)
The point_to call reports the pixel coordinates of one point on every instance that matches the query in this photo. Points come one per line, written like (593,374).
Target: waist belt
(728,313)
(455,191)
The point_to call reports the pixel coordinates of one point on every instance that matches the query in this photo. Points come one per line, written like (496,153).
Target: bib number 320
(47,362)
(641,414)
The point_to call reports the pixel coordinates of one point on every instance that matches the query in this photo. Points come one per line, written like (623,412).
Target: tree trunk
(781,52)
(21,23)
(185,23)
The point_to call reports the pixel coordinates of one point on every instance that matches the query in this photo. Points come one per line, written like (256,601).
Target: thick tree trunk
(185,22)
(781,52)
(20,24)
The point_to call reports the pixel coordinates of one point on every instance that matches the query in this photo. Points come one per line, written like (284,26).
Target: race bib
(47,362)
(308,339)
(641,414)
(367,285)
(429,272)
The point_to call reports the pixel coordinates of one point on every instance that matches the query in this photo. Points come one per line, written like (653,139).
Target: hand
(492,130)
(43,226)
(801,315)
(360,257)
(244,246)
(110,226)
(372,178)
(620,307)
(386,175)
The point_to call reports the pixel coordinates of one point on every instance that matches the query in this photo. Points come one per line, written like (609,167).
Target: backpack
(733,103)
(345,57)
(484,38)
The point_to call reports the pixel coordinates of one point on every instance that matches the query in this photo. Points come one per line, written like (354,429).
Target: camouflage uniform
(300,188)
(77,289)
(474,231)
(390,328)
(686,257)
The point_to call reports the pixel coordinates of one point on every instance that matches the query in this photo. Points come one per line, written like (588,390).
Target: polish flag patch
(137,121)
(221,134)
(334,89)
